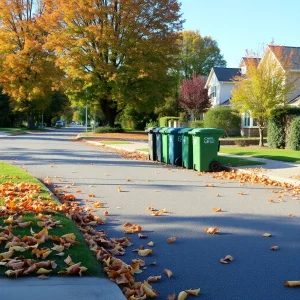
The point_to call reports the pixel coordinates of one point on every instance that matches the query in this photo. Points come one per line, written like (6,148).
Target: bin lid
(200,131)
(157,129)
(173,130)
(185,130)
(164,129)
(150,129)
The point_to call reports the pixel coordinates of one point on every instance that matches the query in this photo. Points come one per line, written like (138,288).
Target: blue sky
(238,25)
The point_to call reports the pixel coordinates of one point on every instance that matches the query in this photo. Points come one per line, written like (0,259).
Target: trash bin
(158,137)
(151,143)
(187,148)
(175,146)
(205,148)
(165,144)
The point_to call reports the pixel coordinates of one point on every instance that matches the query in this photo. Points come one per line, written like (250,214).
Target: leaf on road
(194,292)
(216,209)
(292,283)
(145,252)
(275,248)
(227,259)
(182,295)
(172,239)
(168,273)
(266,234)
(212,230)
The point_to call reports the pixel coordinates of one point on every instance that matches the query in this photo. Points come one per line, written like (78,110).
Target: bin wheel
(215,166)
(178,161)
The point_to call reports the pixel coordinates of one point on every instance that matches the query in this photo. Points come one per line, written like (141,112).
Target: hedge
(163,122)
(279,125)
(107,129)
(196,124)
(294,138)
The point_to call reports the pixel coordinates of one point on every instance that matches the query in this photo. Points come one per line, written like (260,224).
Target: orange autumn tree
(116,52)
(27,70)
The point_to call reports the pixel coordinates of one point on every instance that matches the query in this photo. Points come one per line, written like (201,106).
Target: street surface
(127,188)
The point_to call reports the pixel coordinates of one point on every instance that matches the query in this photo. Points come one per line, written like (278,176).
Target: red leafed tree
(194,96)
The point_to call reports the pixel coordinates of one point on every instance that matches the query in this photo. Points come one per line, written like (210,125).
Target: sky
(238,25)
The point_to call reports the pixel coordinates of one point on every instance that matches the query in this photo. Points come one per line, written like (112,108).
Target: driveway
(127,188)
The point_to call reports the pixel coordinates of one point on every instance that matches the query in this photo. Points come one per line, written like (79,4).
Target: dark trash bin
(175,146)
(158,137)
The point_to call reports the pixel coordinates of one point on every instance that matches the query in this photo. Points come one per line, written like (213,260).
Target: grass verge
(78,252)
(269,153)
(237,162)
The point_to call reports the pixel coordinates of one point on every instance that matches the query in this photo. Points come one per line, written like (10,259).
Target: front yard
(269,153)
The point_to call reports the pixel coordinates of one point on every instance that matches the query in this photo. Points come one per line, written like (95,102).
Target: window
(213,93)
(247,120)
(254,122)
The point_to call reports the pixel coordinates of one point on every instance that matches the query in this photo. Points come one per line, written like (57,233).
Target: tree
(194,96)
(263,87)
(222,117)
(27,70)
(117,52)
(199,54)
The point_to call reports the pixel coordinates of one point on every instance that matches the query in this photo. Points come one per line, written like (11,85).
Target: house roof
(226,74)
(249,60)
(294,100)
(287,53)
(226,103)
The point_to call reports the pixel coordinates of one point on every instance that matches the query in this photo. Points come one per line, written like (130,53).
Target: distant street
(127,188)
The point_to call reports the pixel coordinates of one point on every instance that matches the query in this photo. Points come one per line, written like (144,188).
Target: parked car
(59,123)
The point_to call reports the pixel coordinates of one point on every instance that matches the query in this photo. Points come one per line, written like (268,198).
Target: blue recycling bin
(175,146)
(158,137)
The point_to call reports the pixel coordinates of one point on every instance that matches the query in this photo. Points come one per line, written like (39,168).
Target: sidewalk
(274,169)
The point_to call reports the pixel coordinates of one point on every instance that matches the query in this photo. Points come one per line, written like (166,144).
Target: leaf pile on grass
(127,154)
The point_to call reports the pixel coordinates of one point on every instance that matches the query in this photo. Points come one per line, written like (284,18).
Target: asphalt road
(255,273)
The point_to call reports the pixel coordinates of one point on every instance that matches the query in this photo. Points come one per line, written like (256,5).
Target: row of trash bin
(191,148)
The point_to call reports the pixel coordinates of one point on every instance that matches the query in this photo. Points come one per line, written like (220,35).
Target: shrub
(107,129)
(196,124)
(152,123)
(163,122)
(276,135)
(294,138)
(222,117)
(279,125)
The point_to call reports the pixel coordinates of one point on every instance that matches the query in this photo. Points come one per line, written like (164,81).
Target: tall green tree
(116,52)
(263,87)
(199,54)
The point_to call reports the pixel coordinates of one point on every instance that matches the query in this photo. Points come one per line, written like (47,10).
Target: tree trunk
(261,136)
(110,111)
(30,120)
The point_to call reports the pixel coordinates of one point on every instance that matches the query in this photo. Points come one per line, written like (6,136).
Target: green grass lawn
(143,149)
(269,153)
(79,253)
(237,162)
(18,130)
(115,142)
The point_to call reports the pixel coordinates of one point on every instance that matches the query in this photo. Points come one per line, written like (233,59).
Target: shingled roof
(226,74)
(287,53)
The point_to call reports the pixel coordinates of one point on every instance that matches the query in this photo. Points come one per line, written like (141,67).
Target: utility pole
(86,115)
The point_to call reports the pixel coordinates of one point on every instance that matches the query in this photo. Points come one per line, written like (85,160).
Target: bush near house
(163,122)
(279,126)
(196,124)
(294,138)
(223,117)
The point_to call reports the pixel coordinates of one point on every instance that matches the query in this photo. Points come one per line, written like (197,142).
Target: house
(219,83)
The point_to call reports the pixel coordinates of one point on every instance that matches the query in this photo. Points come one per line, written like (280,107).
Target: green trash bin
(205,148)
(187,148)
(175,146)
(158,138)
(165,144)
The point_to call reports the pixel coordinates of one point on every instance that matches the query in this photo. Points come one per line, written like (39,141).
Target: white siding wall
(296,92)
(225,91)
(214,82)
